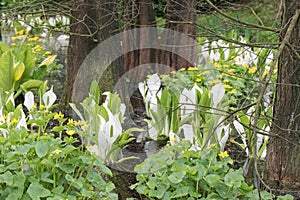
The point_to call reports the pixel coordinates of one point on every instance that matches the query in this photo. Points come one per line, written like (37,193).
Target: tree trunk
(140,62)
(180,17)
(92,22)
(283,157)
(82,34)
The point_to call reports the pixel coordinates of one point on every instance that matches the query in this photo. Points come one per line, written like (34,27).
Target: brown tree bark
(283,157)
(83,31)
(137,14)
(180,17)
(92,22)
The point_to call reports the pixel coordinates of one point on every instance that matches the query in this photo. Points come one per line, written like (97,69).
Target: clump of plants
(178,172)
(40,161)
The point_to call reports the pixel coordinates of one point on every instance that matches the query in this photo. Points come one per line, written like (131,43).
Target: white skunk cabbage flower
(49,98)
(29,100)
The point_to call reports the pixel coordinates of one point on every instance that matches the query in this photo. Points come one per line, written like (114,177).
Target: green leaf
(58,190)
(6,71)
(66,168)
(36,190)
(7,178)
(212,179)
(29,62)
(39,73)
(181,192)
(86,193)
(41,148)
(31,84)
(176,177)
(4,47)
(234,178)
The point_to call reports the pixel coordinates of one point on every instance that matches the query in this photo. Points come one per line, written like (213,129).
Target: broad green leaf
(4,47)
(6,71)
(95,91)
(7,178)
(36,190)
(48,61)
(39,73)
(87,193)
(66,168)
(181,192)
(19,69)
(212,179)
(29,62)
(58,190)
(45,177)
(176,177)
(31,84)
(41,148)
(234,178)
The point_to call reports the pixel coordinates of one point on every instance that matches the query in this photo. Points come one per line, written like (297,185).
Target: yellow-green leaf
(6,71)
(48,61)
(19,69)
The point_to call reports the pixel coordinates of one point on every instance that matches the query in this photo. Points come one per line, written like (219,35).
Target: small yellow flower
(89,148)
(42,107)
(173,72)
(245,65)
(266,72)
(230,71)
(57,151)
(5,117)
(216,81)
(85,126)
(13,121)
(46,53)
(18,37)
(32,107)
(58,115)
(20,32)
(218,65)
(226,86)
(71,122)
(192,69)
(164,76)
(70,132)
(33,39)
(214,145)
(232,91)
(182,69)
(45,134)
(252,70)
(47,111)
(198,80)
(37,47)
(13,44)
(223,154)
(148,76)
